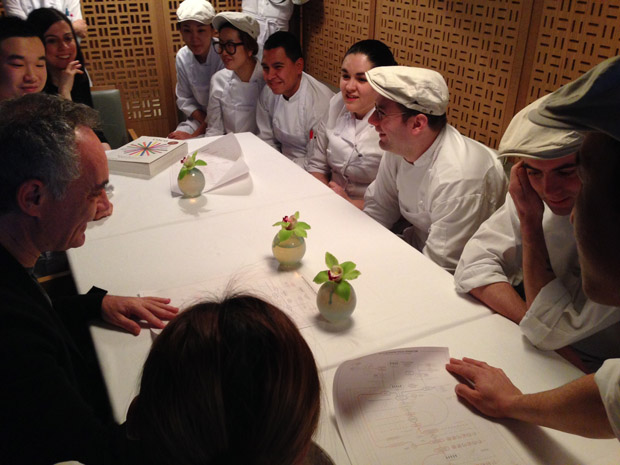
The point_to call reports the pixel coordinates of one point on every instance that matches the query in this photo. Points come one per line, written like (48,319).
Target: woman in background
(347,153)
(235,90)
(66,74)
(227,383)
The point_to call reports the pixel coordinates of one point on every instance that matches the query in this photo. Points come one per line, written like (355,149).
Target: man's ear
(299,65)
(418,123)
(30,197)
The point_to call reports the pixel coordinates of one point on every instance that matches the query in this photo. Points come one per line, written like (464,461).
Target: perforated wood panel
(124,48)
(474,44)
(330,27)
(573,36)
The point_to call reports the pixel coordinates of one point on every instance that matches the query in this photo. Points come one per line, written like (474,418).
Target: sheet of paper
(288,290)
(399,407)
(225,164)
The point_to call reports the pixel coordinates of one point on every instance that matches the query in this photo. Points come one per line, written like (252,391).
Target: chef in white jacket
(272,15)
(293,103)
(445,185)
(346,153)
(530,239)
(589,405)
(196,63)
(235,90)
(71,8)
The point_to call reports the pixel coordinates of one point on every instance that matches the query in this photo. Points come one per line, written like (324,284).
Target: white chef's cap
(419,89)
(526,139)
(241,21)
(196,10)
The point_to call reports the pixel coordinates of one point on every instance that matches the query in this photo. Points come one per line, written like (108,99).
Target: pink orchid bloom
(335,274)
(291,220)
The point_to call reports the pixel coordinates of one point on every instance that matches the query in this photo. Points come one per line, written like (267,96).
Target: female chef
(347,154)
(235,90)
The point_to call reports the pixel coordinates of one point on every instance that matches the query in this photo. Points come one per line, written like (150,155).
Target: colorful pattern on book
(145,148)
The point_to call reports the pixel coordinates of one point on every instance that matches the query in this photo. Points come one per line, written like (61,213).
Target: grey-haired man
(53,171)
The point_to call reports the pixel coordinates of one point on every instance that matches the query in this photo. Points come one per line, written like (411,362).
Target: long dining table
(157,241)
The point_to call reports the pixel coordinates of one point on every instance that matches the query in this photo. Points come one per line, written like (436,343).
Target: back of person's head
(42,19)
(229,382)
(37,141)
(287,41)
(10,26)
(377,52)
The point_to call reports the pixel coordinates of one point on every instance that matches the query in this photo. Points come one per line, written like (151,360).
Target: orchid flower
(189,163)
(291,226)
(338,273)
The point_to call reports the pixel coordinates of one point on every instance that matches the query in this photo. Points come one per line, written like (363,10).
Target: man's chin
(560,210)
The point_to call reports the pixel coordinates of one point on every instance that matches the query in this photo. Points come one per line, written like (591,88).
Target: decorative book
(146,156)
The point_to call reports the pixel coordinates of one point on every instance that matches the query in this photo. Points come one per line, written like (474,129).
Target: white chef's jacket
(193,84)
(561,314)
(290,125)
(347,149)
(446,194)
(232,103)
(272,15)
(607,379)
(22,8)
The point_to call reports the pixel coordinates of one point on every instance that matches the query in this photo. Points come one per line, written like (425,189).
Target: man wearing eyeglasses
(441,183)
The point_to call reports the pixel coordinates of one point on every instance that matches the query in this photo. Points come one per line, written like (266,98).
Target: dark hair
(377,52)
(10,26)
(37,141)
(435,122)
(249,42)
(229,382)
(287,41)
(42,19)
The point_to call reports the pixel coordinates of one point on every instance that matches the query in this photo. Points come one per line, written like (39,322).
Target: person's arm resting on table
(575,408)
(123,311)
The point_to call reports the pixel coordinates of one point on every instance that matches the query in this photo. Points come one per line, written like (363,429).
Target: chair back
(107,101)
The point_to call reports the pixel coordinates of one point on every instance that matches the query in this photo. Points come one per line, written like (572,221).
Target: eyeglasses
(230,47)
(381,114)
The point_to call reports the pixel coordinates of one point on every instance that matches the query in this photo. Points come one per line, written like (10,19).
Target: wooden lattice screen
(573,36)
(131,44)
(496,55)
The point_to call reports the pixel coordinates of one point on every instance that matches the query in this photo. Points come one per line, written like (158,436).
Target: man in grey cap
(590,405)
(530,241)
(439,181)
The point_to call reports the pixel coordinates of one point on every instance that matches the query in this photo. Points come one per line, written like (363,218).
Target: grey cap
(419,89)
(526,139)
(589,103)
(241,21)
(196,10)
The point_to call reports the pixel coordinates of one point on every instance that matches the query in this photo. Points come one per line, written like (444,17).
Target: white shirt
(194,83)
(560,314)
(232,104)
(272,15)
(22,8)
(290,125)
(446,194)
(607,379)
(346,148)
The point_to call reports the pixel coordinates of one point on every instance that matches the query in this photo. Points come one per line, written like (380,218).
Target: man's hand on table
(492,392)
(124,311)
